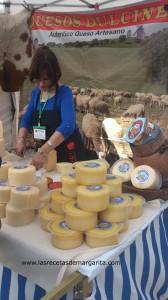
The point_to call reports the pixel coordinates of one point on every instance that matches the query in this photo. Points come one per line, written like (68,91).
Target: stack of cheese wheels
(115,185)
(104,234)
(41,183)
(93,198)
(63,237)
(69,185)
(58,201)
(19,217)
(22,175)
(47,215)
(64,168)
(50,164)
(117,212)
(145,177)
(123,168)
(78,219)
(5,191)
(90,173)
(136,205)
(4,170)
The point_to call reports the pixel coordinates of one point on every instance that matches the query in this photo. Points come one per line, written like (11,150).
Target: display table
(145,242)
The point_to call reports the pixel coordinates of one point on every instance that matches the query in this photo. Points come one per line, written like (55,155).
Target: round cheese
(123,226)
(22,175)
(117,211)
(93,198)
(45,199)
(4,170)
(91,173)
(69,185)
(2,210)
(25,197)
(5,191)
(104,234)
(64,168)
(145,177)
(78,219)
(136,205)
(41,183)
(115,185)
(47,215)
(63,237)
(123,168)
(58,201)
(50,164)
(19,217)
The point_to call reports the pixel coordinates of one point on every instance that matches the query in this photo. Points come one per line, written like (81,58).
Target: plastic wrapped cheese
(136,205)
(50,164)
(123,168)
(69,185)
(93,198)
(90,173)
(47,215)
(41,183)
(145,177)
(58,201)
(4,170)
(25,197)
(117,211)
(104,234)
(45,199)
(22,175)
(63,237)
(78,219)
(115,185)
(19,217)
(5,191)
(64,168)
(2,210)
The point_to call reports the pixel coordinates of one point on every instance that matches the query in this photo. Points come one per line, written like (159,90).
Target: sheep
(91,129)
(117,100)
(102,107)
(82,101)
(135,110)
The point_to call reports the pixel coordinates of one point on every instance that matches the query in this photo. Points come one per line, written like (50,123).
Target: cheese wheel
(2,147)
(2,210)
(123,168)
(115,185)
(45,199)
(58,201)
(47,215)
(25,197)
(64,168)
(22,175)
(104,234)
(19,217)
(1,130)
(117,211)
(101,160)
(69,185)
(41,183)
(50,164)
(63,237)
(136,205)
(5,191)
(78,219)
(93,198)
(123,226)
(91,173)
(145,177)
(4,170)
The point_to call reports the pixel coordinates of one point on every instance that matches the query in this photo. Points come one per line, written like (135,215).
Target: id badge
(39,132)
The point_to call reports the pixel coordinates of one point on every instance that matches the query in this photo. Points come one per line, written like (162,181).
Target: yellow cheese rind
(2,210)
(5,191)
(63,237)
(123,226)
(123,168)
(90,173)
(47,215)
(105,234)
(18,217)
(50,164)
(145,177)
(117,211)
(136,205)
(69,185)
(93,198)
(22,175)
(4,170)
(115,185)
(25,197)
(64,168)
(58,201)
(78,219)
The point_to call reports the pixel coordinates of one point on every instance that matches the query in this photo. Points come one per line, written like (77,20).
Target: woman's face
(44,83)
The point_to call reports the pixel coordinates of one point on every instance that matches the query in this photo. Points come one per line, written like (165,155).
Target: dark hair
(45,63)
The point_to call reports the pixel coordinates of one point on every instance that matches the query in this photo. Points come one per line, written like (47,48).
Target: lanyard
(42,107)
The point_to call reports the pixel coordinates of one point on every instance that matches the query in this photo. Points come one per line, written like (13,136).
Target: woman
(50,113)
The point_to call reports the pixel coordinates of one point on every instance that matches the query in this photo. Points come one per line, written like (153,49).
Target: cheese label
(110,177)
(142,176)
(23,188)
(123,168)
(20,167)
(64,225)
(104,225)
(91,165)
(94,187)
(135,130)
(117,200)
(3,183)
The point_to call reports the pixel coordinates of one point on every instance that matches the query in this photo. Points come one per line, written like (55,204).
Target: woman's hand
(38,160)
(20,147)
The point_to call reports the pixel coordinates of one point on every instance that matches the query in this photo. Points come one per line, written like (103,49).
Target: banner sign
(136,21)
